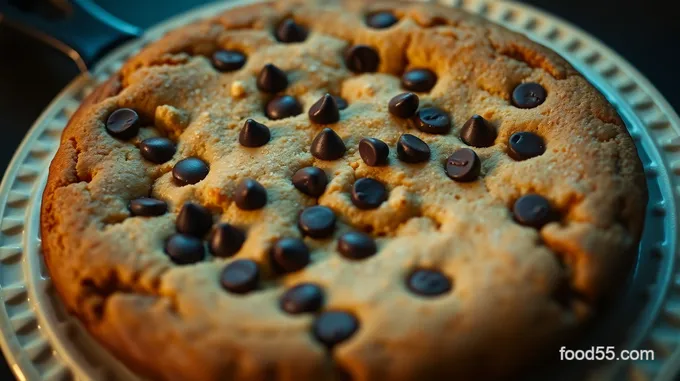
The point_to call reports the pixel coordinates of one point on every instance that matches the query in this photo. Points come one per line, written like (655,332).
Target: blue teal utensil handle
(81,28)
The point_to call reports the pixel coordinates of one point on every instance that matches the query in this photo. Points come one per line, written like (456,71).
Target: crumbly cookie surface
(450,271)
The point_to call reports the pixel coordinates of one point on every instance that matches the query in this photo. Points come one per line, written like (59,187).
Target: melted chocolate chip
(272,79)
(419,80)
(190,171)
(282,107)
(428,283)
(324,111)
(254,134)
(194,220)
(311,181)
(432,120)
(374,152)
(368,193)
(226,240)
(404,105)
(317,222)
(185,249)
(289,255)
(327,145)
(240,276)
(525,145)
(228,60)
(528,95)
(303,298)
(333,327)
(362,59)
(356,245)
(289,31)
(381,20)
(463,165)
(157,150)
(250,195)
(147,207)
(123,124)
(478,132)
(532,210)
(411,149)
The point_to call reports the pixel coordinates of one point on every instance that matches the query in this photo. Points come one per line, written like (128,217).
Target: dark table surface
(645,33)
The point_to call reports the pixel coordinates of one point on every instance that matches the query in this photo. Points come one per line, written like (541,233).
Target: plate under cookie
(43,343)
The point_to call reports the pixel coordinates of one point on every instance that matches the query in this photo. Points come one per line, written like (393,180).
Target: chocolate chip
(373,151)
(428,283)
(532,210)
(368,193)
(147,207)
(327,145)
(381,20)
(411,149)
(404,105)
(228,60)
(305,297)
(311,181)
(341,102)
(240,276)
(333,327)
(226,240)
(362,59)
(324,111)
(185,249)
(463,165)
(317,222)
(525,145)
(419,80)
(289,31)
(432,120)
(123,124)
(272,79)
(254,134)
(356,245)
(250,195)
(157,150)
(194,219)
(478,132)
(282,107)
(190,171)
(289,255)
(528,95)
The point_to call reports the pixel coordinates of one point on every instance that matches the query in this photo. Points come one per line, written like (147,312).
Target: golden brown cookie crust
(172,322)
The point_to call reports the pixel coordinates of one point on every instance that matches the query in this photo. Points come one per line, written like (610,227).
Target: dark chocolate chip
(381,20)
(525,145)
(532,210)
(240,276)
(432,120)
(328,145)
(317,222)
(226,240)
(425,282)
(356,245)
(157,150)
(190,171)
(194,219)
(404,105)
(289,255)
(341,102)
(250,195)
(333,327)
(463,165)
(123,124)
(478,132)
(368,193)
(311,181)
(373,151)
(411,149)
(228,60)
(282,107)
(272,79)
(528,95)
(419,80)
(147,207)
(303,298)
(185,249)
(324,111)
(289,31)
(362,59)
(254,134)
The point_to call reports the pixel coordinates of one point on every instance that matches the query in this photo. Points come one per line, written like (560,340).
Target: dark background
(646,33)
